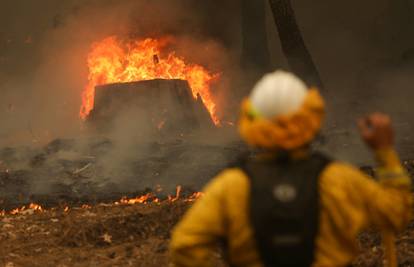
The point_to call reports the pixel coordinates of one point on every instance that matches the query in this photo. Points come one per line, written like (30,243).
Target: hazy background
(364,52)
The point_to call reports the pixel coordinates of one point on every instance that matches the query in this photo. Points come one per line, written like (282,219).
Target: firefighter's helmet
(281,113)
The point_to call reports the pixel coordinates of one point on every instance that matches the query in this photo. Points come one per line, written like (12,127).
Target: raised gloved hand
(377,131)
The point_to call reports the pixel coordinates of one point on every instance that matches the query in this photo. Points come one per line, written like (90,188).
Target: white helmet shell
(278,93)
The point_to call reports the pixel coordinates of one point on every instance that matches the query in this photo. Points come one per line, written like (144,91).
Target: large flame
(115,61)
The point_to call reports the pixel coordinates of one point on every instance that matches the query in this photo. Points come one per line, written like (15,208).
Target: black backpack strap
(284,208)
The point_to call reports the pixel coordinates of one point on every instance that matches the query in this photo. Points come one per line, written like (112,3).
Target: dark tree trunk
(299,59)
(256,56)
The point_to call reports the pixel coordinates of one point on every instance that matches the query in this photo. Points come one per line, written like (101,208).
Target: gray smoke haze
(364,51)
(45,44)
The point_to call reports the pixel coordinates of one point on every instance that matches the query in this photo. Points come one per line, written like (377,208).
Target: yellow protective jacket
(350,202)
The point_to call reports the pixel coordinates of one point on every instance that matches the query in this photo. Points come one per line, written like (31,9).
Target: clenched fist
(376,130)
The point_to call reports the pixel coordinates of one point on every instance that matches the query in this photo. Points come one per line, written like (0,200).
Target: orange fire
(144,199)
(116,61)
(29,209)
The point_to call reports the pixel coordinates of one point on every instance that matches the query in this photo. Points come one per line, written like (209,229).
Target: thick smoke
(43,64)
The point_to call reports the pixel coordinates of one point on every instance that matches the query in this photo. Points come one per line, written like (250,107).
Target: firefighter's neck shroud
(284,208)
(285,132)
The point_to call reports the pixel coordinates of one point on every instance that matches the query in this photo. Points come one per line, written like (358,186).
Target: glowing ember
(115,61)
(26,210)
(144,199)
(177,195)
(194,196)
(138,200)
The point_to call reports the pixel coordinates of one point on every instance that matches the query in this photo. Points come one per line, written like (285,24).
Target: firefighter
(286,205)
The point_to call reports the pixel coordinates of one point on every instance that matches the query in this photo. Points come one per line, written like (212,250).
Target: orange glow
(144,199)
(116,61)
(31,208)
(138,200)
(177,195)
(194,197)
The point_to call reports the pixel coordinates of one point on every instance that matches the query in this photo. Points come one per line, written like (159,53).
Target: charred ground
(126,235)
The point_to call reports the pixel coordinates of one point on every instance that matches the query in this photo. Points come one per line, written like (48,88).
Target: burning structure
(174,91)
(166,105)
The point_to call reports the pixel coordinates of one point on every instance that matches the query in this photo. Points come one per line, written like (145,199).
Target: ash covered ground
(95,170)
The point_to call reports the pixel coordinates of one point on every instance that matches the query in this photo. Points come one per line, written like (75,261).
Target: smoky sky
(363,50)
(44,47)
(24,24)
